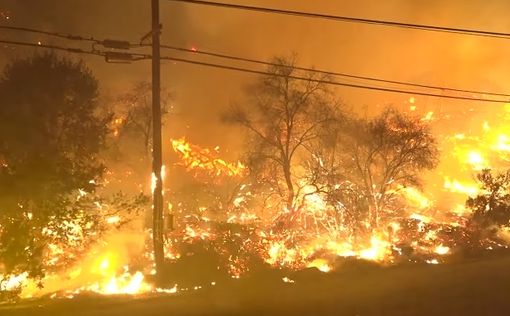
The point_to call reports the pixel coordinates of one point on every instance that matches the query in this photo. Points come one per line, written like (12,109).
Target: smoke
(201,93)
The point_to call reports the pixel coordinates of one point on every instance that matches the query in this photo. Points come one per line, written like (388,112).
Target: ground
(467,287)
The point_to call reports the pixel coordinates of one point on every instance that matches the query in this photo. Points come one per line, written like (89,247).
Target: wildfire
(113,284)
(458,187)
(103,270)
(205,161)
(442,250)
(319,235)
(126,283)
(321,264)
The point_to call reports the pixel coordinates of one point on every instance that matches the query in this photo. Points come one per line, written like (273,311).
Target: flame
(379,250)
(154,179)
(114,219)
(13,282)
(469,189)
(321,264)
(442,250)
(319,234)
(323,238)
(204,161)
(104,270)
(476,159)
(126,283)
(416,198)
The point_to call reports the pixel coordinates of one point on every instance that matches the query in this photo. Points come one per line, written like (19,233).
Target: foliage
(50,138)
(491,207)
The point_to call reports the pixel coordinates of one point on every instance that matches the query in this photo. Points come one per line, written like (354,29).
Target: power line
(110,56)
(133,57)
(55,47)
(330,82)
(108,43)
(136,57)
(54,34)
(423,27)
(332,73)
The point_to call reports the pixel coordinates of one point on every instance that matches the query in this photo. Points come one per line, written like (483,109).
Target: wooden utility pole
(157,159)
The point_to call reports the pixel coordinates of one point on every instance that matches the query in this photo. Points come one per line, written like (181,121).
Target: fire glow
(316,240)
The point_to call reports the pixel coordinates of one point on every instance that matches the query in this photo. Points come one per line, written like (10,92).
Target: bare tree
(284,117)
(136,113)
(364,163)
(385,154)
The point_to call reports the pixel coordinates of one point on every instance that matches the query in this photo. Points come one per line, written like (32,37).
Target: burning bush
(51,135)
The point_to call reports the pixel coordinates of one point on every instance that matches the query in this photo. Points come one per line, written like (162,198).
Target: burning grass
(237,236)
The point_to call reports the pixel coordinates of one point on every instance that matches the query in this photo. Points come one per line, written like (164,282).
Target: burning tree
(284,117)
(387,155)
(367,162)
(50,138)
(209,180)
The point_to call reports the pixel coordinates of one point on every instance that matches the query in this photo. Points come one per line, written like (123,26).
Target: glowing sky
(201,93)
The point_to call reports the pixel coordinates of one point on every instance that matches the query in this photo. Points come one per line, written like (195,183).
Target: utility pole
(157,159)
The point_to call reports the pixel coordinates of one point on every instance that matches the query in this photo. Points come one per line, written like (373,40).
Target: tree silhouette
(389,152)
(136,113)
(367,161)
(491,207)
(284,117)
(50,137)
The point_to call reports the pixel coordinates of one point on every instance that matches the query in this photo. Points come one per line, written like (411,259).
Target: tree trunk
(374,212)
(290,187)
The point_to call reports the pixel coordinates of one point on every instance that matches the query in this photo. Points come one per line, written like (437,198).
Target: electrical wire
(349,19)
(330,82)
(54,34)
(256,61)
(136,57)
(332,73)
(55,47)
